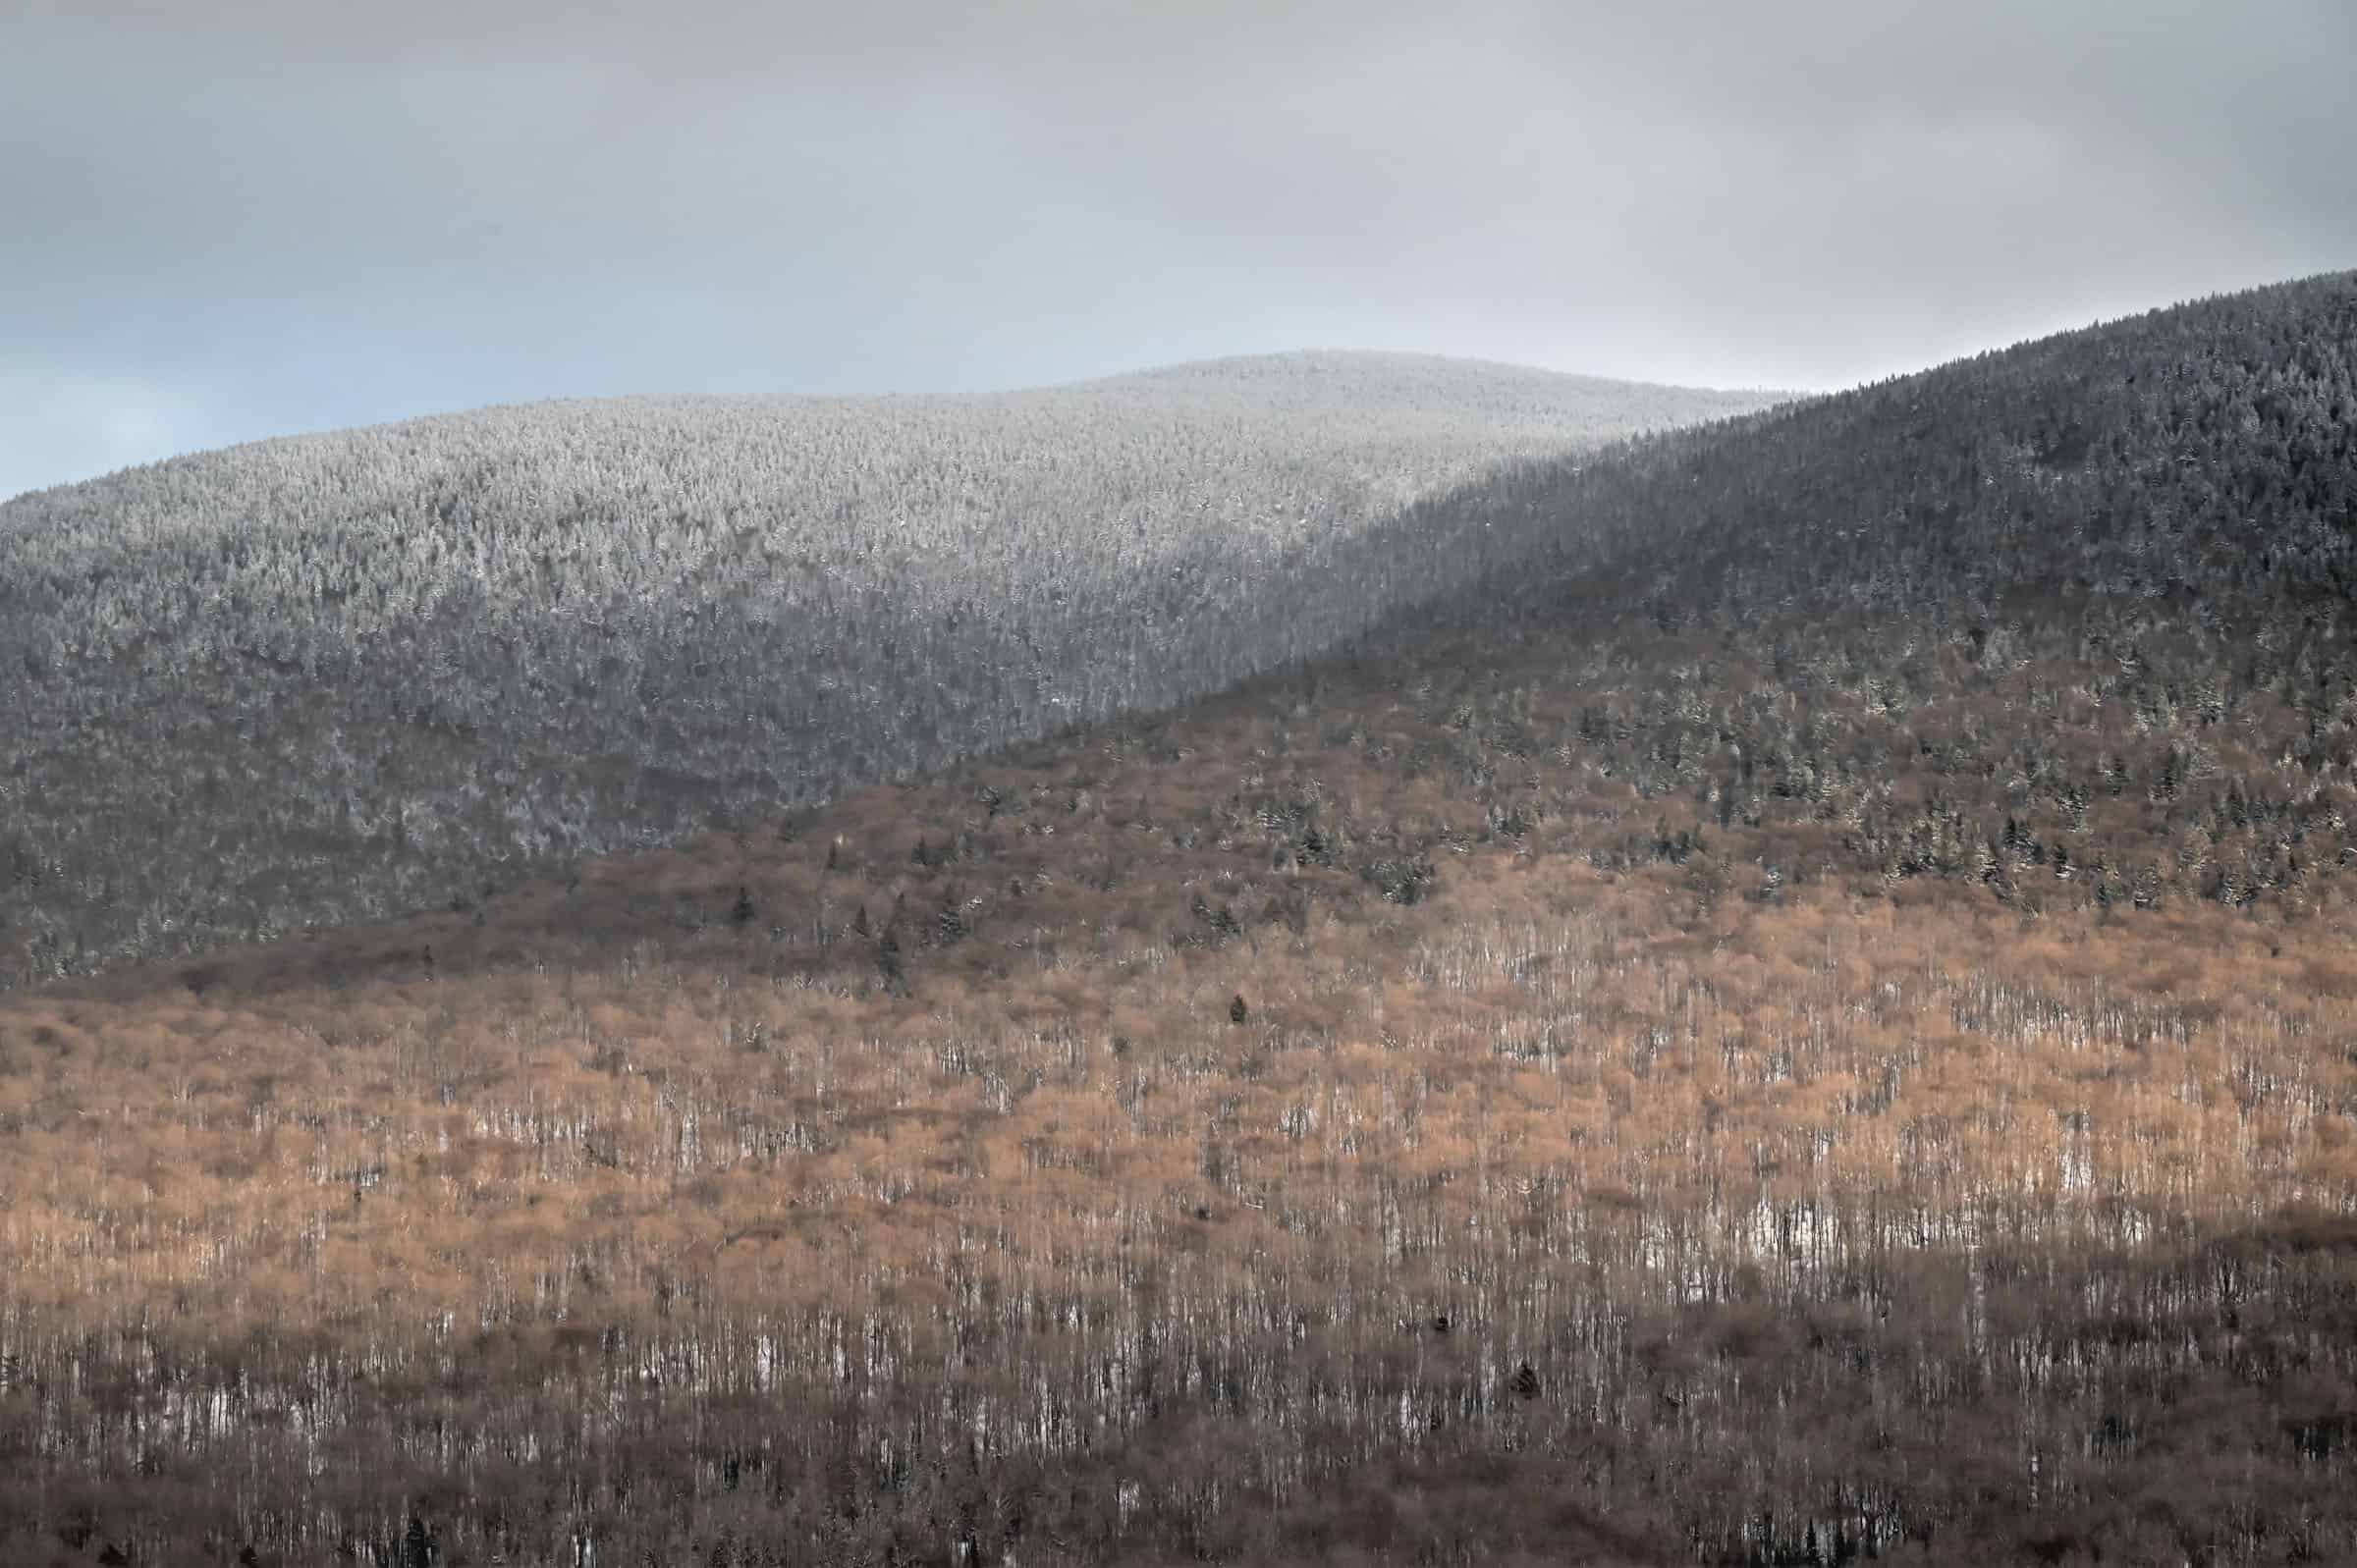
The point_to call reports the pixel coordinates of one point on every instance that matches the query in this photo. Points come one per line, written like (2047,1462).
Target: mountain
(1798,1008)
(316,680)
(2089,598)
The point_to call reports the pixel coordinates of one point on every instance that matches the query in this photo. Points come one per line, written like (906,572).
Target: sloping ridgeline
(2073,622)
(323,679)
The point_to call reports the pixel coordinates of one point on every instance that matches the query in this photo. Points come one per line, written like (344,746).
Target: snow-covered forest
(325,678)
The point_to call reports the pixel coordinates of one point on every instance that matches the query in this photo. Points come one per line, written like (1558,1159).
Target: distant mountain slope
(331,676)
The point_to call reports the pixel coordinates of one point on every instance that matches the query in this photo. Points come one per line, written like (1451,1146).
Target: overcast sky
(226,219)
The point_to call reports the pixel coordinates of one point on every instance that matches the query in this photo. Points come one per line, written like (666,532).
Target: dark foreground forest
(1809,1018)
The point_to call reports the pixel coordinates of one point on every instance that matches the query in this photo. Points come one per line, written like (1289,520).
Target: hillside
(329,677)
(1805,1015)
(2073,622)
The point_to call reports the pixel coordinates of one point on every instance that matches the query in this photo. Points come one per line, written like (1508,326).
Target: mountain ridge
(880,585)
(1278,364)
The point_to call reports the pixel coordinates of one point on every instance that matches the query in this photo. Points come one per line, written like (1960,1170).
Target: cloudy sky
(225,219)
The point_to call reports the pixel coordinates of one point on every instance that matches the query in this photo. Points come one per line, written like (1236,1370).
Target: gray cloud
(258,216)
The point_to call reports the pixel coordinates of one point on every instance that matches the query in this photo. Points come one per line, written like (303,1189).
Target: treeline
(313,681)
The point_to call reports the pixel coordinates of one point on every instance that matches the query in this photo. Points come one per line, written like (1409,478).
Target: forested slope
(1811,1019)
(313,679)
(2072,621)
